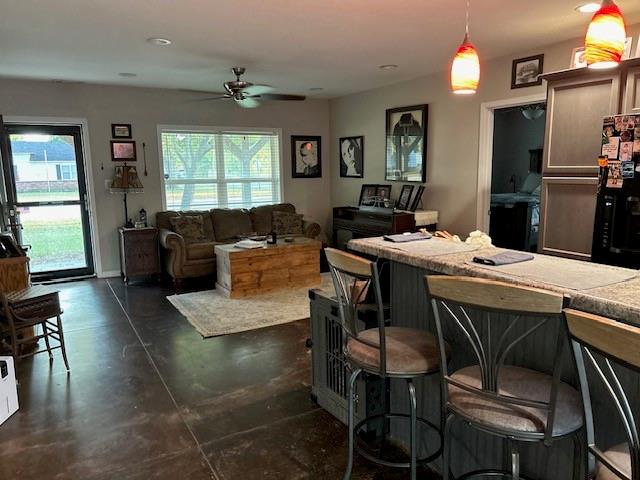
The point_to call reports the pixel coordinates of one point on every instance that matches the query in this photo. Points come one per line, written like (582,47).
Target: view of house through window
(205,170)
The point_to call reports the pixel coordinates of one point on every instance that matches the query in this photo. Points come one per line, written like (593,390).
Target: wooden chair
(387,352)
(25,309)
(603,341)
(490,390)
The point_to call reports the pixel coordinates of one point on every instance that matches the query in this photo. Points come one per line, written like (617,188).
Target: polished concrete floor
(149,398)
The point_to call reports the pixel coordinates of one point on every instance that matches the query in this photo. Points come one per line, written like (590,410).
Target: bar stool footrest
(489,473)
(380,461)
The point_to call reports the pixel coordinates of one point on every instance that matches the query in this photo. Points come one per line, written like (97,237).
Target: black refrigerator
(616,238)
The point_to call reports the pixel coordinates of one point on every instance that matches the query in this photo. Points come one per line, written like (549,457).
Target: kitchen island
(599,289)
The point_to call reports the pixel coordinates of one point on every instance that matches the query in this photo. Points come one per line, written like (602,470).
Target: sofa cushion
(262,217)
(189,227)
(201,251)
(285,223)
(230,224)
(163,220)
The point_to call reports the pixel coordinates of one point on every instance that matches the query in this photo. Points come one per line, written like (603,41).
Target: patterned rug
(213,314)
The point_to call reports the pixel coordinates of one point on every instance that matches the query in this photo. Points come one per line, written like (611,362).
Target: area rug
(212,314)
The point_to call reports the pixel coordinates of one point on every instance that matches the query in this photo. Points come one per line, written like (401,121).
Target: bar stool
(602,341)
(486,320)
(385,351)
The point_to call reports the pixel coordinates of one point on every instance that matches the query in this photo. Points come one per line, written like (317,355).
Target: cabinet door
(575,108)
(567,215)
(632,92)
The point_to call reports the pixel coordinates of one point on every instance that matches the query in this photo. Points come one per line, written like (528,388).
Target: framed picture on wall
(306,157)
(352,157)
(123,150)
(525,72)
(406,152)
(405,197)
(121,130)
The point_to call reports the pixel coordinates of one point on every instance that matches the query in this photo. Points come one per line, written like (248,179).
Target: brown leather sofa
(181,260)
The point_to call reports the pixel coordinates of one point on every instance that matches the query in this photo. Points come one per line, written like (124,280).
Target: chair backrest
(355,280)
(486,320)
(603,341)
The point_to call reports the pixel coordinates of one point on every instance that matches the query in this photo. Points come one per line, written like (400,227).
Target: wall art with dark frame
(406,152)
(351,157)
(121,130)
(123,150)
(525,72)
(306,156)
(416,199)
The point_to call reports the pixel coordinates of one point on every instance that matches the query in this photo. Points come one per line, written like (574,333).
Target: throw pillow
(189,227)
(285,223)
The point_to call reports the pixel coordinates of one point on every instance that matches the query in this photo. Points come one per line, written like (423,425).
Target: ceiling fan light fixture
(465,68)
(388,66)
(590,7)
(159,41)
(606,35)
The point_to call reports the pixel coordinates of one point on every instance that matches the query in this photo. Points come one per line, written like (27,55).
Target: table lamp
(126,181)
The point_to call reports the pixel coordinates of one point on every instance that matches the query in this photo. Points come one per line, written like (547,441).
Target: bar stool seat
(410,351)
(521,383)
(620,457)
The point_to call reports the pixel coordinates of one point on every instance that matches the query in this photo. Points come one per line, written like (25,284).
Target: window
(66,172)
(208,168)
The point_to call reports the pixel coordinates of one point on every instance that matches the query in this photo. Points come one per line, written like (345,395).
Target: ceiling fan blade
(207,99)
(257,90)
(281,96)
(248,103)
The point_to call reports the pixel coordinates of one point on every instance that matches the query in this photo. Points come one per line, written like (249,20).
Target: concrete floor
(149,398)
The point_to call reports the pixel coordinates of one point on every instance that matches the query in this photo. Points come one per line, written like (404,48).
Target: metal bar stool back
(385,351)
(611,351)
(488,384)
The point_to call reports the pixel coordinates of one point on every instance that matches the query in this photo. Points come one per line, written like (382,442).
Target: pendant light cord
(466,27)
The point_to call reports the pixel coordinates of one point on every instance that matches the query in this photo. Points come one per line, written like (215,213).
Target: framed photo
(123,150)
(352,157)
(306,157)
(417,199)
(383,192)
(406,153)
(121,130)
(405,197)
(367,194)
(578,59)
(525,72)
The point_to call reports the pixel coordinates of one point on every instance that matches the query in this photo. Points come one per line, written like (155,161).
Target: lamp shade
(465,69)
(126,180)
(604,42)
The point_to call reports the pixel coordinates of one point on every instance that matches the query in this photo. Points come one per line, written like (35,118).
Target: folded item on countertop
(503,258)
(407,237)
(248,244)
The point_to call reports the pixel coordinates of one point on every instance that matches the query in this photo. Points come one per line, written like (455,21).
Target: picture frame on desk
(417,199)
(405,197)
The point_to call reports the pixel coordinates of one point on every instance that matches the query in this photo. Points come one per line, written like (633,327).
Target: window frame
(215,130)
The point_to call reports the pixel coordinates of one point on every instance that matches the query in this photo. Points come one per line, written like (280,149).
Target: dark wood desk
(370,222)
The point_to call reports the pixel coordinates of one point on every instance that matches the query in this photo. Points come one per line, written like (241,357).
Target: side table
(139,252)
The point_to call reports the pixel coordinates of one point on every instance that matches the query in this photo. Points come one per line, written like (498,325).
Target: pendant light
(465,69)
(604,42)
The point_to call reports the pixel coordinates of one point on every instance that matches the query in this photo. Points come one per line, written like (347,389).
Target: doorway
(516,176)
(47,197)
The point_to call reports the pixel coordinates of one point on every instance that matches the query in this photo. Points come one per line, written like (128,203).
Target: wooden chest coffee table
(243,272)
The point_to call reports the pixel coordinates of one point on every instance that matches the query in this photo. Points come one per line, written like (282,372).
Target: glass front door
(46,190)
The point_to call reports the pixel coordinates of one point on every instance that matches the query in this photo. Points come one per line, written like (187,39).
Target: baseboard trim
(109,274)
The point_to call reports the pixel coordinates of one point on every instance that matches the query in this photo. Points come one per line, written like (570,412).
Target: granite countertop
(618,299)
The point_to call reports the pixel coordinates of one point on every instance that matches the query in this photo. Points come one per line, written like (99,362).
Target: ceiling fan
(248,95)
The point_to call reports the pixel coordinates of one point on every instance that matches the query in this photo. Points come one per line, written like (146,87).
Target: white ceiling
(291,44)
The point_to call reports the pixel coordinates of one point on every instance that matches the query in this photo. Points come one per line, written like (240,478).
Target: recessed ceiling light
(389,66)
(159,41)
(316,89)
(590,7)
(128,74)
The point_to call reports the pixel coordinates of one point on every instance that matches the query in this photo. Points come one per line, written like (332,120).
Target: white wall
(452,135)
(145,108)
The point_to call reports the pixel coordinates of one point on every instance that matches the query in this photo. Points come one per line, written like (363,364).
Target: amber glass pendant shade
(604,42)
(465,69)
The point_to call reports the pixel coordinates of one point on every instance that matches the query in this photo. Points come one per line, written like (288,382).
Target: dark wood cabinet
(370,222)
(139,252)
